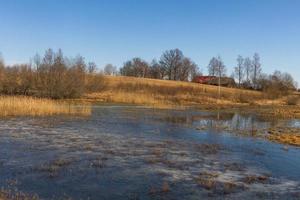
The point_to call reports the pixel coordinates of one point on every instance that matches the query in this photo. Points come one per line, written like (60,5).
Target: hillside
(164,93)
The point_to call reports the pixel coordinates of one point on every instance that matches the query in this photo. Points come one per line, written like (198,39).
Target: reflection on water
(226,120)
(138,153)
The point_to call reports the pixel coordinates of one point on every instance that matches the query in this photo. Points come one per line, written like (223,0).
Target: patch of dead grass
(30,106)
(286,138)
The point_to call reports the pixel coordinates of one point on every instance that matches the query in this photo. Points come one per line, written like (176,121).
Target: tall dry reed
(30,106)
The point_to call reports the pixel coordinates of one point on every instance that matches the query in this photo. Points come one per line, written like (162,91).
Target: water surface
(128,152)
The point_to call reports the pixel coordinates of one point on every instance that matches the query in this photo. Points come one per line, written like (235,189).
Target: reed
(31,106)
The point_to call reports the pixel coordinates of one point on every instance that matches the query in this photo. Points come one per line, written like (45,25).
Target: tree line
(247,73)
(55,76)
(172,65)
(51,76)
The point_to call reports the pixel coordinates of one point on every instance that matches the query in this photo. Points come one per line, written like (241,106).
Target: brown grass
(250,179)
(285,135)
(293,100)
(176,94)
(209,181)
(165,187)
(13,195)
(163,93)
(287,138)
(30,106)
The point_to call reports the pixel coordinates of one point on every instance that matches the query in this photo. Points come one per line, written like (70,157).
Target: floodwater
(129,152)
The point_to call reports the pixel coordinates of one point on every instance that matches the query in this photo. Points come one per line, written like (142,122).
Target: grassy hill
(165,93)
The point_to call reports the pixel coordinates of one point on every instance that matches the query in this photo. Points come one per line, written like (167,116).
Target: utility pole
(219,81)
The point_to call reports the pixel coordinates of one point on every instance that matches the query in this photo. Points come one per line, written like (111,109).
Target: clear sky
(113,31)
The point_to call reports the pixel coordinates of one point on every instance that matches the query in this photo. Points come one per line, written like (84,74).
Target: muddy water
(137,153)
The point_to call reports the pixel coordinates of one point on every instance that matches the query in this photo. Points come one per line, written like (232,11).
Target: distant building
(213,80)
(203,79)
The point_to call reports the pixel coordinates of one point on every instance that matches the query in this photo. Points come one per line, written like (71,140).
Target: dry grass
(293,100)
(277,111)
(251,179)
(163,93)
(13,195)
(287,138)
(209,181)
(30,106)
(285,135)
(170,94)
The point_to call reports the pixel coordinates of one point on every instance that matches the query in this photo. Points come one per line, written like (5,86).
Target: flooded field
(127,152)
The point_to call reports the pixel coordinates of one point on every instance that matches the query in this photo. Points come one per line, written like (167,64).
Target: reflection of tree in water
(191,118)
(223,121)
(247,124)
(237,122)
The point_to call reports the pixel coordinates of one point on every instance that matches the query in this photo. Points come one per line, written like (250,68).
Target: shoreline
(285,135)
(264,110)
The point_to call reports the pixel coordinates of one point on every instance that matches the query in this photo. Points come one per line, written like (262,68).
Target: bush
(293,100)
(53,76)
(94,83)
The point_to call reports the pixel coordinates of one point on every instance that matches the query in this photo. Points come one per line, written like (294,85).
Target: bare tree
(173,65)
(59,77)
(171,61)
(248,69)
(75,78)
(221,69)
(57,73)
(221,72)
(188,70)
(286,80)
(256,70)
(109,69)
(135,67)
(92,67)
(9,84)
(2,68)
(26,79)
(44,74)
(128,69)
(213,67)
(216,67)
(239,70)
(49,57)
(276,85)
(156,71)
(53,76)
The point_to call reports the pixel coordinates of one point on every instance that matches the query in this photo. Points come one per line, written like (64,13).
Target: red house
(203,79)
(213,80)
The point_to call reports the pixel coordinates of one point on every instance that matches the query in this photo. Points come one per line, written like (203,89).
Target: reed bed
(31,106)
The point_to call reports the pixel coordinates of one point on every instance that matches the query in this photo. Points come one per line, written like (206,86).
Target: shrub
(293,100)
(53,76)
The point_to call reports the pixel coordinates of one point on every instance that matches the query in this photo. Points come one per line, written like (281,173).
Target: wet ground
(139,153)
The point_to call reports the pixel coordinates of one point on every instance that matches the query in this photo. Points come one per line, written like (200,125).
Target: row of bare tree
(53,76)
(277,84)
(56,76)
(248,74)
(173,65)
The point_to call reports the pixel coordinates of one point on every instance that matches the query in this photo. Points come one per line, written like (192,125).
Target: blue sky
(113,31)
